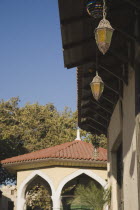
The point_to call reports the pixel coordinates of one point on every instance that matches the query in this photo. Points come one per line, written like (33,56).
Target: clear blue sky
(31,59)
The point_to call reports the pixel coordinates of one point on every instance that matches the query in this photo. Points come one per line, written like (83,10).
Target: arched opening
(38,194)
(69,198)
(21,198)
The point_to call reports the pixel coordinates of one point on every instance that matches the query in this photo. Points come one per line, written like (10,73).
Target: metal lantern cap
(104,23)
(97,87)
(97,79)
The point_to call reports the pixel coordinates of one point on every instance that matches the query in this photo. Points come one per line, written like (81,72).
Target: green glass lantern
(103,35)
(97,87)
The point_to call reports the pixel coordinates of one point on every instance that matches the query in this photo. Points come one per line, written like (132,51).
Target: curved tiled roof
(75,150)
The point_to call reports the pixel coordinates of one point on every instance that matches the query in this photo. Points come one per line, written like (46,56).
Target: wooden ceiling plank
(92,74)
(102,107)
(110,72)
(75,44)
(107,99)
(115,91)
(92,112)
(100,131)
(89,129)
(98,122)
(73,19)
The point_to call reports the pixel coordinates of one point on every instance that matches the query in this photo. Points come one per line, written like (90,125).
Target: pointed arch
(23,186)
(89,173)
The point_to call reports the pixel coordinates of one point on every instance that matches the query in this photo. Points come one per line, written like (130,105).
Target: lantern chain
(104,10)
(96,60)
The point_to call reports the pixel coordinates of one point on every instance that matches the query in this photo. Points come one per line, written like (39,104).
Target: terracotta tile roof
(75,150)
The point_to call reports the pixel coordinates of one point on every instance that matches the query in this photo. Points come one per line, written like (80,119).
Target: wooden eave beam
(100,131)
(89,129)
(117,76)
(98,105)
(87,123)
(110,72)
(74,19)
(78,43)
(87,97)
(91,112)
(107,99)
(109,87)
(102,107)
(98,122)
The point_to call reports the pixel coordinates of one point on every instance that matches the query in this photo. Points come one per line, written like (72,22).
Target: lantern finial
(78,134)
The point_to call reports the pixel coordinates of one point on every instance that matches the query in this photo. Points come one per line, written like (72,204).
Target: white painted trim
(89,173)
(23,186)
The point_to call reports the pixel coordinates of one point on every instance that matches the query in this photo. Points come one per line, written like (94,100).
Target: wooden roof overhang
(80,50)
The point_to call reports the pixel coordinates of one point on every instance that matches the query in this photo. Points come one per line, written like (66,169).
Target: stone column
(56,201)
(21,204)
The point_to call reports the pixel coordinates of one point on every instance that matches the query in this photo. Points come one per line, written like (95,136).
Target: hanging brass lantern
(103,35)
(97,87)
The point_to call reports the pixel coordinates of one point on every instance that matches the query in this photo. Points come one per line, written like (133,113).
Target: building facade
(117,113)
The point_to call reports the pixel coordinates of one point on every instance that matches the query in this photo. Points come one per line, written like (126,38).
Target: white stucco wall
(56,177)
(114,131)
(56,174)
(129,146)
(123,124)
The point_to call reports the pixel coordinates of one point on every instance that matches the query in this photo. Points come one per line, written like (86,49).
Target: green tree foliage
(10,129)
(97,141)
(10,135)
(34,127)
(90,196)
(38,197)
